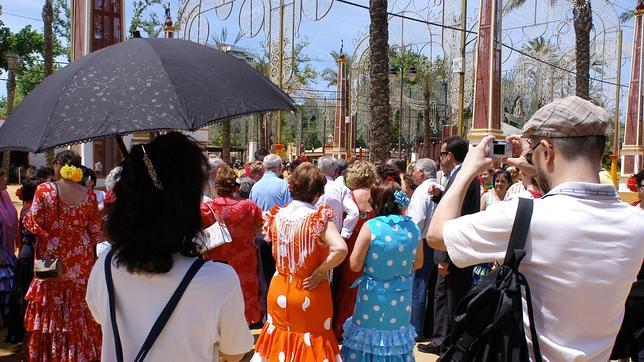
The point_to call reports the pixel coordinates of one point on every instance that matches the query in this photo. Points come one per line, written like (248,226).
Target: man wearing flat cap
(584,247)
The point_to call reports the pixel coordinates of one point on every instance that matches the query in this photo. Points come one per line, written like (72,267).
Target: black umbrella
(138,85)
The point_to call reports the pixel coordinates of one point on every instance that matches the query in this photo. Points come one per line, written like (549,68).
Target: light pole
(410,75)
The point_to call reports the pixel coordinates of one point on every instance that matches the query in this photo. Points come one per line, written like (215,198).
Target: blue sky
(349,23)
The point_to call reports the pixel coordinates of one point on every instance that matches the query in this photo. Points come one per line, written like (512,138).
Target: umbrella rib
(185,121)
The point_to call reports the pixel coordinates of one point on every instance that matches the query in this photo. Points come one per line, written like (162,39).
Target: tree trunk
(225,141)
(583,26)
(426,133)
(380,144)
(48,19)
(11,94)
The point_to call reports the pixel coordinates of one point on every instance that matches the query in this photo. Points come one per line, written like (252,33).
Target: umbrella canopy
(138,85)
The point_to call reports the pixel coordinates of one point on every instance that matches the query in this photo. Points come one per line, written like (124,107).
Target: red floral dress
(243,218)
(60,327)
(344,298)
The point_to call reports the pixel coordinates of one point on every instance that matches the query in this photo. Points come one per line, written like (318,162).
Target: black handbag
(50,268)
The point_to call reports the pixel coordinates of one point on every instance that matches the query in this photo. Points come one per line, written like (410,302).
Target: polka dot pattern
(281,301)
(385,295)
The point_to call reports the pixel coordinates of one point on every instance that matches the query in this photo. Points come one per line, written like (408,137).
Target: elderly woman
(306,246)
(152,227)
(243,218)
(360,176)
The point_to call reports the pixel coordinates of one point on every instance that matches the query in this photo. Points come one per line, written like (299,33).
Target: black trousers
(266,268)
(450,289)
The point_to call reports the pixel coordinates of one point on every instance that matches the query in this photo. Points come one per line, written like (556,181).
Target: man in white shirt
(338,197)
(584,247)
(421,208)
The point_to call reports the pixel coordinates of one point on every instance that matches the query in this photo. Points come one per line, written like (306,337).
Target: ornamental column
(632,150)
(96,24)
(486,112)
(340,134)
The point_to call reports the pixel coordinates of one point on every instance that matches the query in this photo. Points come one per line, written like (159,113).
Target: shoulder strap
(163,318)
(110,296)
(516,247)
(513,257)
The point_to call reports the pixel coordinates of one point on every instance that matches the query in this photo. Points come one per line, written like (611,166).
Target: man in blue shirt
(269,191)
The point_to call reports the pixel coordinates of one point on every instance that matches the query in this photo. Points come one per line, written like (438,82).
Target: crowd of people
(372,258)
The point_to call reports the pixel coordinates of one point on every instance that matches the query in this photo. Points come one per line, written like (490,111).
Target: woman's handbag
(48,268)
(216,234)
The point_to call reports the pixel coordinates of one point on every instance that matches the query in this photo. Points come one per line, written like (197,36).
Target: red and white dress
(58,322)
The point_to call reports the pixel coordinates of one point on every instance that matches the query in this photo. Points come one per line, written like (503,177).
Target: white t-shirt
(209,317)
(583,251)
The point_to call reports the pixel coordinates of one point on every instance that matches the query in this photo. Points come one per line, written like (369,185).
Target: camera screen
(498,148)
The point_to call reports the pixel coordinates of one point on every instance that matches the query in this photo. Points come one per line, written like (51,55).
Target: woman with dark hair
(89,181)
(306,246)
(502,181)
(24,269)
(154,226)
(387,250)
(243,218)
(64,217)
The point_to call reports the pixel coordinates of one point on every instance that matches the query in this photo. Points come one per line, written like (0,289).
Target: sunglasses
(528,155)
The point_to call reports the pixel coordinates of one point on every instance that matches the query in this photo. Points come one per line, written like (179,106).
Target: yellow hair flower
(72,173)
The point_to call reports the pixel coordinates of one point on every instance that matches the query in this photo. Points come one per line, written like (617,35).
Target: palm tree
(48,29)
(263,67)
(380,143)
(583,23)
(222,44)
(13,65)
(429,78)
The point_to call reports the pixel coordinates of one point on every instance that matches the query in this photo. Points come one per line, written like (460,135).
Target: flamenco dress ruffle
(60,325)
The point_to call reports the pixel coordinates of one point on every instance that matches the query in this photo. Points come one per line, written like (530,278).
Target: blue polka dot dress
(380,328)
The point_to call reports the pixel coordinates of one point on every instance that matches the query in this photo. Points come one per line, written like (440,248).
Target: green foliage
(151,25)
(3,106)
(27,44)
(29,77)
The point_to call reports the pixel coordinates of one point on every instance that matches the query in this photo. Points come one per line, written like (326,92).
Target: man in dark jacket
(452,282)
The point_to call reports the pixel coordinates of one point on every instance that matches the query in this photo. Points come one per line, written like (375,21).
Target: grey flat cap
(568,117)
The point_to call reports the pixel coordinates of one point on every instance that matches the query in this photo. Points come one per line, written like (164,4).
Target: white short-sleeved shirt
(209,317)
(421,207)
(583,251)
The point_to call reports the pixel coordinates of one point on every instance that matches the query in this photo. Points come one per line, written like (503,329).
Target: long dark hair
(150,220)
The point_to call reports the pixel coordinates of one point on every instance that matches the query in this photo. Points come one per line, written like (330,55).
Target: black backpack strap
(110,294)
(163,317)
(516,246)
(513,257)
(533,329)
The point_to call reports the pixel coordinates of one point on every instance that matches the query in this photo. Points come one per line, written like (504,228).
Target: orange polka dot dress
(298,324)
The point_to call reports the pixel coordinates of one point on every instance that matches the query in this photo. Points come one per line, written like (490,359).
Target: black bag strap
(163,317)
(513,257)
(533,329)
(516,247)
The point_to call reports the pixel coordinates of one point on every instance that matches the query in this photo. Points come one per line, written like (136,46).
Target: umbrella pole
(119,141)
